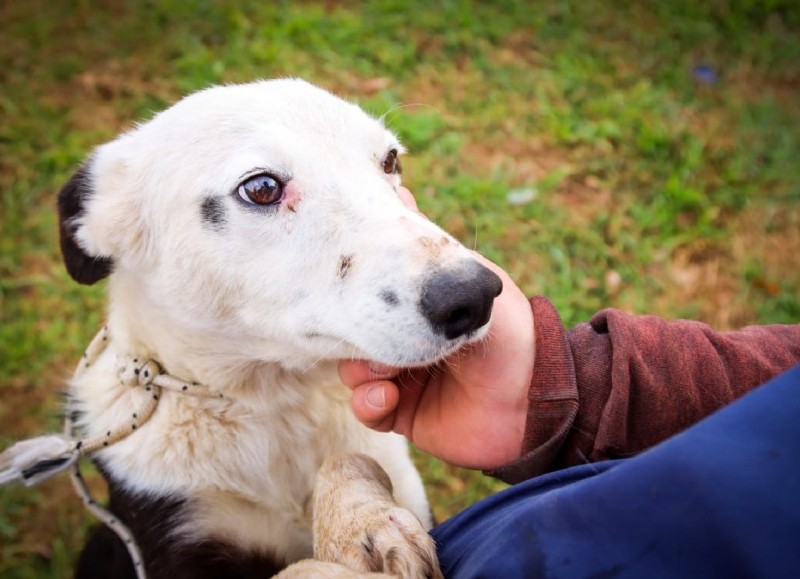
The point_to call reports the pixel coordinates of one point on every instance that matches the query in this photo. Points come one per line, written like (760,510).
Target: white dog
(253,236)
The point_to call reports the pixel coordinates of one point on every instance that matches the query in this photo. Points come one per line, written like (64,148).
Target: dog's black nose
(458,301)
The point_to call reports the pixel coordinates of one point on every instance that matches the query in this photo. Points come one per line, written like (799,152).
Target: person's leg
(721,499)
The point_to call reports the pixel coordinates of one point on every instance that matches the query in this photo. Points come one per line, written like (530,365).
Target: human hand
(470,409)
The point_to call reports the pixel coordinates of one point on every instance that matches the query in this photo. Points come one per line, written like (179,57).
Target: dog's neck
(205,355)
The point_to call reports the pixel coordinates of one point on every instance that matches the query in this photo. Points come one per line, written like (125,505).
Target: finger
(411,385)
(374,404)
(352,373)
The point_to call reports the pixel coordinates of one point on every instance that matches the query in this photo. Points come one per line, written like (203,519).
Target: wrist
(552,399)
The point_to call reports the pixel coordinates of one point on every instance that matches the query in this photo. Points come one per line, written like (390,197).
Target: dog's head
(267,214)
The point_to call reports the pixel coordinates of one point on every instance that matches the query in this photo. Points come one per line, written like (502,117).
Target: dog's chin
(414,352)
(428,354)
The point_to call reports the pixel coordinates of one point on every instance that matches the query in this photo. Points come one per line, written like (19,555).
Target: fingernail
(376,397)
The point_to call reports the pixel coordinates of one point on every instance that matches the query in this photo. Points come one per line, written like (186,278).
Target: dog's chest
(245,468)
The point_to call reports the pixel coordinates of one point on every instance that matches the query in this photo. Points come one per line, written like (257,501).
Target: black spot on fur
(84,268)
(389,296)
(213,212)
(345,263)
(151,519)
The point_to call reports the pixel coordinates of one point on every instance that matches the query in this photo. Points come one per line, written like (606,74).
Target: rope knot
(139,372)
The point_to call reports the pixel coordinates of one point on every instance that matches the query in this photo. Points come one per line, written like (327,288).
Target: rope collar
(37,459)
(133,373)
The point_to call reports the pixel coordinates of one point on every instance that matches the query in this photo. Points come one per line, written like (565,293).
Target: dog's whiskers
(400,106)
(322,356)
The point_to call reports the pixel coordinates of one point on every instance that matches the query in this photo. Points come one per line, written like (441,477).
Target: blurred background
(642,155)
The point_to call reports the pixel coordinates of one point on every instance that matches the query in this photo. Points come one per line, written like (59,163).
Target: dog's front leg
(360,531)
(358,524)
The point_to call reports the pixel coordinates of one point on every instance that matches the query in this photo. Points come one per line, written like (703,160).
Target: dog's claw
(402,547)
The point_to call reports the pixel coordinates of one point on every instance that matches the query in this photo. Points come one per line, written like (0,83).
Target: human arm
(619,384)
(606,389)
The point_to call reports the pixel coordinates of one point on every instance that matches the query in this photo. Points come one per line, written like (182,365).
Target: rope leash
(37,459)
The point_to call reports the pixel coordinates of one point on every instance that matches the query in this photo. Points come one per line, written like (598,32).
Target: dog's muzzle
(457,301)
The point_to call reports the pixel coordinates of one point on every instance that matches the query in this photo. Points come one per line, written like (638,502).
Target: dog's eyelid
(398,149)
(279,175)
(391,163)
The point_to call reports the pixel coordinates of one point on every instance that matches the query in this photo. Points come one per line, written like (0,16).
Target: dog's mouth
(452,310)
(429,352)
(410,353)
(425,361)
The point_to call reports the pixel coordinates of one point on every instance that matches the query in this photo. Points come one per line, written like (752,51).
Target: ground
(643,157)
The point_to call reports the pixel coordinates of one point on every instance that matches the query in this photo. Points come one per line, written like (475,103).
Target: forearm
(621,383)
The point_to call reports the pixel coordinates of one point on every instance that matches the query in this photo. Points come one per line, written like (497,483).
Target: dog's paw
(311,569)
(395,542)
(358,524)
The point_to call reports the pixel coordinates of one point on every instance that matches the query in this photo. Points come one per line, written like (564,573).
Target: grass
(653,185)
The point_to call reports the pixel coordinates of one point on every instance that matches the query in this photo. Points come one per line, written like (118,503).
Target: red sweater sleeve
(619,384)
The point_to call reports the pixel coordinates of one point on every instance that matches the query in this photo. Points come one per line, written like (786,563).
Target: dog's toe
(396,543)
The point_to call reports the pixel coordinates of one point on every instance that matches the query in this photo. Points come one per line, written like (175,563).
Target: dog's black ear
(83,268)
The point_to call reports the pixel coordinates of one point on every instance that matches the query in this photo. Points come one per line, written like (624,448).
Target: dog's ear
(84,268)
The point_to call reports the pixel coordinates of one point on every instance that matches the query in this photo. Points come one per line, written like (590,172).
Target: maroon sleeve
(621,383)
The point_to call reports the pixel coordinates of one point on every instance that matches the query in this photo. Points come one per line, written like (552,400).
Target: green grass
(652,191)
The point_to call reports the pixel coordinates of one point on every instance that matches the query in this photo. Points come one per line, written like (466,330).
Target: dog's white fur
(256,305)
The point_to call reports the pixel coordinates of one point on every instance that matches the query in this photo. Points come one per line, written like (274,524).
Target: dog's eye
(261,190)
(391,165)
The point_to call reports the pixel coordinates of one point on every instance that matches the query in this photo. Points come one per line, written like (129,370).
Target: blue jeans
(721,499)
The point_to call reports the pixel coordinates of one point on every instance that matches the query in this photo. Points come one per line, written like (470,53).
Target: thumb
(375,403)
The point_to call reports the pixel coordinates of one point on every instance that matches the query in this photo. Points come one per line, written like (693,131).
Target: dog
(252,236)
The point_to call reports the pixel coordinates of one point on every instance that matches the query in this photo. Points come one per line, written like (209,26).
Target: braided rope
(37,459)
(146,374)
(149,375)
(96,347)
